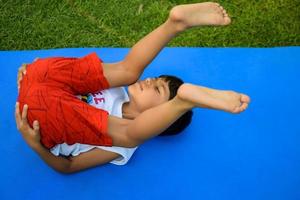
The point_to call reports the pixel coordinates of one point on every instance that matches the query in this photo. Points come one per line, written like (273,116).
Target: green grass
(44,24)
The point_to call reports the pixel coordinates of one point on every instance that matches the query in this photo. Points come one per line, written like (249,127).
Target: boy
(149,112)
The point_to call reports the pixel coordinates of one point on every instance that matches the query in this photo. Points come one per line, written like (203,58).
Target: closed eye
(157,89)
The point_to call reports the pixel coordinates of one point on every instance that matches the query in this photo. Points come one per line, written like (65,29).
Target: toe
(218,9)
(245,98)
(237,110)
(222,9)
(244,106)
(241,108)
(227,20)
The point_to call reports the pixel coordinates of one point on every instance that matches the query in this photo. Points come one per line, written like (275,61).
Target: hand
(22,73)
(31,136)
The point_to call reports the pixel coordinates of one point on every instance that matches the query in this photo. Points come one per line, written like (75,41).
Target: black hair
(180,124)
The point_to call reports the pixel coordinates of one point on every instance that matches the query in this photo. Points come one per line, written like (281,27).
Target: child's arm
(32,137)
(78,163)
(58,163)
(92,158)
(83,161)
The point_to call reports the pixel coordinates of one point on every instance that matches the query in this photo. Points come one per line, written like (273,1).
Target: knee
(130,142)
(133,77)
(124,140)
(131,145)
(131,74)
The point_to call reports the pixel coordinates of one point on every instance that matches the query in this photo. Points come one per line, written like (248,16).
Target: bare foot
(199,14)
(203,97)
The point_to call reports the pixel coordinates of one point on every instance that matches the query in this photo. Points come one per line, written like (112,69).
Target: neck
(129,111)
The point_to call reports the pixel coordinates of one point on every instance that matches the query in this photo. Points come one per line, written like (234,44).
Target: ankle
(182,97)
(182,104)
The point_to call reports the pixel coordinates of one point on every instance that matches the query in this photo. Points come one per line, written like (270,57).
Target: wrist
(36,146)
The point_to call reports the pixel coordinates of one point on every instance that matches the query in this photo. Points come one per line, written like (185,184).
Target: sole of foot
(199,14)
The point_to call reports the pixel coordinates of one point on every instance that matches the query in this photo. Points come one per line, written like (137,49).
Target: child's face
(149,93)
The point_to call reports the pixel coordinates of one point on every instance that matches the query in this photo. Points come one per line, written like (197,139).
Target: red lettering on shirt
(99,93)
(99,100)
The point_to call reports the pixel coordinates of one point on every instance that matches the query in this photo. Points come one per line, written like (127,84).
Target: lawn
(44,24)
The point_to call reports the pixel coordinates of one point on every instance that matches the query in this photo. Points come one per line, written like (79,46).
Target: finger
(24,113)
(36,126)
(17,115)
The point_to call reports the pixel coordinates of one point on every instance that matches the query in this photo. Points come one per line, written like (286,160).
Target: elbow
(132,76)
(64,169)
(70,169)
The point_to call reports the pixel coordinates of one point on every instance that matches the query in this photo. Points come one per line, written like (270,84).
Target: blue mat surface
(254,155)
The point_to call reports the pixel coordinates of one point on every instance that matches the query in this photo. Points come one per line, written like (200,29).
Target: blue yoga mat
(253,155)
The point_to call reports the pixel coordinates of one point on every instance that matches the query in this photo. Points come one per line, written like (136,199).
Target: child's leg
(155,120)
(181,18)
(143,52)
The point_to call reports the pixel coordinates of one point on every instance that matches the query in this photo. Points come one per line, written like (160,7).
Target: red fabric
(49,88)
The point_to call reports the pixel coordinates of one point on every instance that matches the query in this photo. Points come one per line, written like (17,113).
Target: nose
(148,81)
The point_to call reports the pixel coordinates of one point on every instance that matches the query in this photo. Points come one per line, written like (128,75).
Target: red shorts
(49,88)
